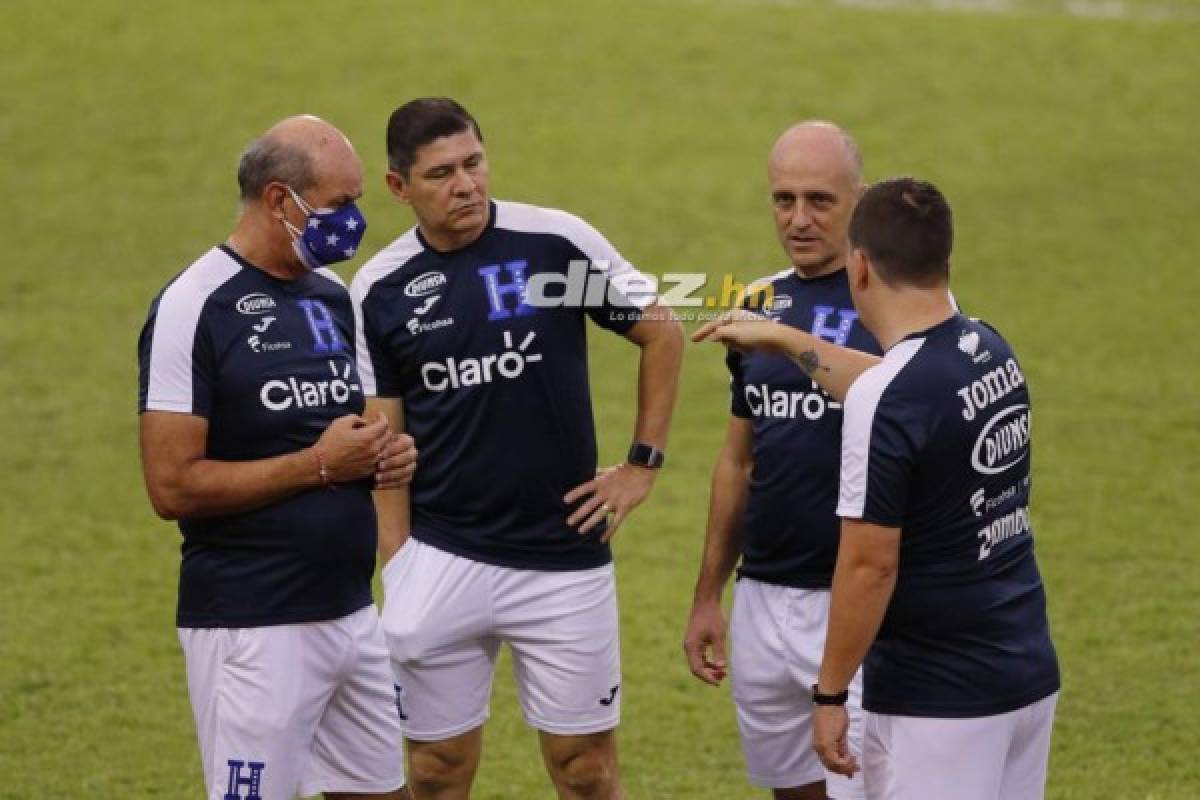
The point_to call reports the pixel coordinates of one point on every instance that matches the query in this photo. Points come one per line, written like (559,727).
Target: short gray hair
(267,159)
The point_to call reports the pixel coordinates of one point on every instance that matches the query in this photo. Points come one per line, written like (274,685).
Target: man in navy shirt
(774,487)
(936,587)
(473,339)
(253,438)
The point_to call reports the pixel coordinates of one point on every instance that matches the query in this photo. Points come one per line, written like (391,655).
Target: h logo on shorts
(400,701)
(320,322)
(497,290)
(838,335)
(238,779)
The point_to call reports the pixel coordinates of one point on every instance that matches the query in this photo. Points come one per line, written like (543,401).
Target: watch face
(644,455)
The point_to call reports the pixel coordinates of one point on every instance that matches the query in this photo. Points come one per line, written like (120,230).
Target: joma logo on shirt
(989,388)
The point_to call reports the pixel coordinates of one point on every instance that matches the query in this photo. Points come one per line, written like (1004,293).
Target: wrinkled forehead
(338,173)
(445,150)
(811,169)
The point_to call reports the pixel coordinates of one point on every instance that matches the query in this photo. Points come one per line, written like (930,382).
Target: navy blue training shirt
(937,443)
(495,388)
(790,524)
(270,364)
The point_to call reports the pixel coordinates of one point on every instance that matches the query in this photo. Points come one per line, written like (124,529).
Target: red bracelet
(322,470)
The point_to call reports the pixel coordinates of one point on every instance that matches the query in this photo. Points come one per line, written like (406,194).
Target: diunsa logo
(1003,442)
(255,303)
(425,284)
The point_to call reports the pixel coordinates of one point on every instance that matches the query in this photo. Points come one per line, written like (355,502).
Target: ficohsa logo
(425,284)
(1003,442)
(255,303)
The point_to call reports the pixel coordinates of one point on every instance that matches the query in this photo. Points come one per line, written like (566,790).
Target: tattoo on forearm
(809,363)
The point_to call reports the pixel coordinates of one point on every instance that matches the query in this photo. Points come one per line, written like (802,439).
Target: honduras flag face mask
(330,235)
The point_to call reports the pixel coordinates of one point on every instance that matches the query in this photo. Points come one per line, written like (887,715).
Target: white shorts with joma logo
(295,710)
(445,617)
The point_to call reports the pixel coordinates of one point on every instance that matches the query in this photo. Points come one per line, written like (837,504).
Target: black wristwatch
(646,455)
(838,699)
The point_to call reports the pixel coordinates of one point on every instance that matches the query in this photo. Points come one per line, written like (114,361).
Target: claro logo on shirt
(458,373)
(779,404)
(280,394)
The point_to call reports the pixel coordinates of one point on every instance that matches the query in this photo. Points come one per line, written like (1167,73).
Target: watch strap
(838,699)
(646,455)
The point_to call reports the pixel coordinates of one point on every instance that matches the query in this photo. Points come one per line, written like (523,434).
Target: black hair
(421,121)
(906,229)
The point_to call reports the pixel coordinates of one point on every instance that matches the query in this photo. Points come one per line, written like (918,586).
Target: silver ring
(606,508)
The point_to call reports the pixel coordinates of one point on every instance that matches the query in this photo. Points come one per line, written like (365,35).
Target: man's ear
(397,185)
(858,269)
(273,197)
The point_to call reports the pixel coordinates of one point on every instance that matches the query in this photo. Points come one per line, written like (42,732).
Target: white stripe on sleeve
(175,323)
(362,354)
(391,258)
(858,418)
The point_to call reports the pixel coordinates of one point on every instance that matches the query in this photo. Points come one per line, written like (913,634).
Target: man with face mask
(253,437)
(509,522)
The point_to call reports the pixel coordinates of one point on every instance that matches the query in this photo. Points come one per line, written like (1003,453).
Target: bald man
(774,486)
(253,438)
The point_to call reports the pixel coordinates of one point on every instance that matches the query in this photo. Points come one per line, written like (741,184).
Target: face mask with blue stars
(330,235)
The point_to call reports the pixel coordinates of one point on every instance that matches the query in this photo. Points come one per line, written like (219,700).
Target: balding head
(815,173)
(820,144)
(298,151)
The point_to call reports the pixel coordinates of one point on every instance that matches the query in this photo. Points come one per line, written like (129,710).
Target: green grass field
(1067,143)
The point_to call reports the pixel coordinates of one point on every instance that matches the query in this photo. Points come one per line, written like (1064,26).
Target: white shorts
(288,710)
(445,617)
(778,636)
(1001,757)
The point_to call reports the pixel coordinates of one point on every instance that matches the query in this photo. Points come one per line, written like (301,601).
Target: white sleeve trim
(362,355)
(640,289)
(180,408)
(858,418)
(175,324)
(391,258)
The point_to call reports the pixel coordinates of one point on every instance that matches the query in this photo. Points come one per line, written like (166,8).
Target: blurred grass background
(1063,133)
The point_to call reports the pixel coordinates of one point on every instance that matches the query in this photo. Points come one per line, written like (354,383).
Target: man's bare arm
(621,489)
(704,641)
(183,483)
(863,581)
(392,505)
(660,336)
(832,366)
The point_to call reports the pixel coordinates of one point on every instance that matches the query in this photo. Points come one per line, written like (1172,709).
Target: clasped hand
(353,447)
